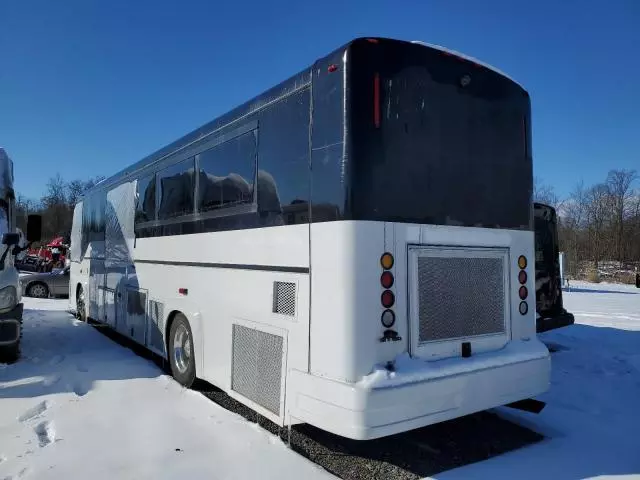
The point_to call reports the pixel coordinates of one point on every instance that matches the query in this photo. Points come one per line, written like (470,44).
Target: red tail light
(523,292)
(388,299)
(386,279)
(522,277)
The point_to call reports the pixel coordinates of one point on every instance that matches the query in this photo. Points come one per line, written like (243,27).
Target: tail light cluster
(523,292)
(388,299)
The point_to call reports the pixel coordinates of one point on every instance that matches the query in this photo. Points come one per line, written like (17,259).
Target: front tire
(180,351)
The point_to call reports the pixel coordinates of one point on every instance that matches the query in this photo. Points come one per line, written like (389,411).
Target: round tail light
(386,279)
(522,277)
(523,308)
(522,262)
(523,292)
(388,318)
(388,299)
(386,261)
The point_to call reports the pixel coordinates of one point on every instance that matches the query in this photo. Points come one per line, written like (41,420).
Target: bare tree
(544,193)
(75,190)
(24,207)
(598,204)
(619,183)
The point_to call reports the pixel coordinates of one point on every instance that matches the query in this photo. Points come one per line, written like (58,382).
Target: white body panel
(329,356)
(11,313)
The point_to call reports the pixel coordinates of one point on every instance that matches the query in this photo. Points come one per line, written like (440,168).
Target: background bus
(350,249)
(551,313)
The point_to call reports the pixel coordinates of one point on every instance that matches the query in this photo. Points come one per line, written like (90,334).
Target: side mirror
(34,228)
(11,239)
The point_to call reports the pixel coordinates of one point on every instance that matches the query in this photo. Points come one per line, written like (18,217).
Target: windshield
(437,140)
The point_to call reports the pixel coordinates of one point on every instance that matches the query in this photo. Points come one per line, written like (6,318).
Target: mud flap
(528,405)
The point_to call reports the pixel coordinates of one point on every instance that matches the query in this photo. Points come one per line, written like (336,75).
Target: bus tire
(180,351)
(10,353)
(81,308)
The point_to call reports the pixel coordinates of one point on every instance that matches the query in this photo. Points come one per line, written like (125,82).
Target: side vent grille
(156,326)
(284,298)
(257,366)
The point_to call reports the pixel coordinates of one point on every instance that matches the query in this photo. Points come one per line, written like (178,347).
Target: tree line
(56,206)
(599,225)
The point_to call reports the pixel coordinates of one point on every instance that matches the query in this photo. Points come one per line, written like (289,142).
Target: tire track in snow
(46,433)
(56,360)
(34,411)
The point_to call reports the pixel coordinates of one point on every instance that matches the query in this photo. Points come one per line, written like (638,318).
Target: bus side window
(176,185)
(146,199)
(226,173)
(283,159)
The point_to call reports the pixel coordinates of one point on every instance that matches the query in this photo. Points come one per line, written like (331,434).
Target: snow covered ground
(80,406)
(592,418)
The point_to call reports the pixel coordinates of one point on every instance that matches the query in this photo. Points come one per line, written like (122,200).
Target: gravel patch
(412,455)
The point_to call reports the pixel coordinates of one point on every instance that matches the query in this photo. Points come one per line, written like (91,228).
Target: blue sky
(88,87)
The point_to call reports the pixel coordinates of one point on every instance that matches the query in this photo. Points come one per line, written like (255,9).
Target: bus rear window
(437,140)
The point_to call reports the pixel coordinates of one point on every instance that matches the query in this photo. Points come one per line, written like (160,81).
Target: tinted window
(146,199)
(444,144)
(329,157)
(226,173)
(176,186)
(283,160)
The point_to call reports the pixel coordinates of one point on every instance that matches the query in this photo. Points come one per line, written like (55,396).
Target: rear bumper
(544,324)
(418,397)
(10,325)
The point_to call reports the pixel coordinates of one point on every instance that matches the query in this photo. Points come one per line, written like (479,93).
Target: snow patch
(411,370)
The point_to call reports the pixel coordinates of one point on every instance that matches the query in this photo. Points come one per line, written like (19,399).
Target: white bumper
(437,392)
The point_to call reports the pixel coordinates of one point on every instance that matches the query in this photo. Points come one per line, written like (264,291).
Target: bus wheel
(10,353)
(180,351)
(81,309)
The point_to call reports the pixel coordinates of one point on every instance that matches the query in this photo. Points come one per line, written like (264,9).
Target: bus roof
(289,86)
(466,57)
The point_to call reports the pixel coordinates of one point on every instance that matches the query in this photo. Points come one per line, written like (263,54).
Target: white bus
(352,249)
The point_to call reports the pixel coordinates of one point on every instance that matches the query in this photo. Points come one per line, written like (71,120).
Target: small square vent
(284,298)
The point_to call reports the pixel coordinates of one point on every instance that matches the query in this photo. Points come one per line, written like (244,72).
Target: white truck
(12,244)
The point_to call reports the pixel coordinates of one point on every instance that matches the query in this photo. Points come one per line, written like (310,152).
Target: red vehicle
(46,258)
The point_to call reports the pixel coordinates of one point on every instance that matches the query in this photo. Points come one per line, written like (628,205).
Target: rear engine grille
(460,297)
